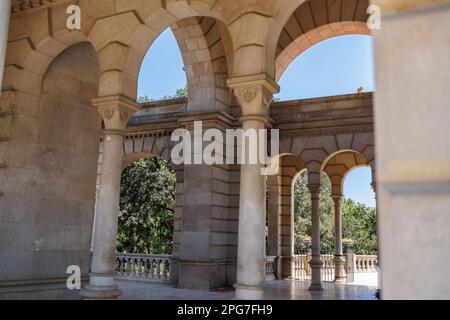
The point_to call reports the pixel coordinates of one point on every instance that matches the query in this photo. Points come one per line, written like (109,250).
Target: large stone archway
(53,146)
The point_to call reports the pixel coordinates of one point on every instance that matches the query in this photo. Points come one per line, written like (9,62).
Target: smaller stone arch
(339,165)
(280,222)
(311,38)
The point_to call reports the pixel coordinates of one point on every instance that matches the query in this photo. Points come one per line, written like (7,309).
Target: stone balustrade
(270,268)
(156,268)
(366,263)
(302,270)
(327,267)
(143,267)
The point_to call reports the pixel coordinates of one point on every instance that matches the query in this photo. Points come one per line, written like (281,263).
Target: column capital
(254,93)
(337,197)
(314,190)
(115,111)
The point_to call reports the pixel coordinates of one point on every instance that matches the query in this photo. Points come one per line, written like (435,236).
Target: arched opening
(146,220)
(201,227)
(336,66)
(147,207)
(354,214)
(190,59)
(162,76)
(324,49)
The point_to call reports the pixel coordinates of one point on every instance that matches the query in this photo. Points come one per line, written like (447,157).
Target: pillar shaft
(316,262)
(5,13)
(251,239)
(338,256)
(115,112)
(254,94)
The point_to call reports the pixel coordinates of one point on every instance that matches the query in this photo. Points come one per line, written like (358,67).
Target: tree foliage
(147,201)
(179,93)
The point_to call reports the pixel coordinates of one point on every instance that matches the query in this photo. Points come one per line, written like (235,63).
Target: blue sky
(336,66)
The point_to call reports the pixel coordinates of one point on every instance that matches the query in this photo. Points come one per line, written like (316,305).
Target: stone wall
(49,179)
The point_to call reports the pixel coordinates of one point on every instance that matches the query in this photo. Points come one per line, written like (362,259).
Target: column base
(100,292)
(340,281)
(244,292)
(101,287)
(315,287)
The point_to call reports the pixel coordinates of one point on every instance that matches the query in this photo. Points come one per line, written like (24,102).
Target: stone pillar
(413,148)
(5,13)
(339,260)
(377,266)
(254,94)
(115,111)
(316,262)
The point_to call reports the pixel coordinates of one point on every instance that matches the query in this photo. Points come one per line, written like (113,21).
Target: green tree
(302,214)
(179,93)
(147,201)
(359,225)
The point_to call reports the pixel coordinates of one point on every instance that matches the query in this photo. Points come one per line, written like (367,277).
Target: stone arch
(203,39)
(28,58)
(339,165)
(309,39)
(135,155)
(54,147)
(280,212)
(146,145)
(301,24)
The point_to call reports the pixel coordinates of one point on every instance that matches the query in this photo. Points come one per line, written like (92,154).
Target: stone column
(254,93)
(316,263)
(338,255)
(5,13)
(377,266)
(413,148)
(115,111)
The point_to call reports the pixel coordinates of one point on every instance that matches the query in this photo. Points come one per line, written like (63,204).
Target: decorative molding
(107,112)
(246,94)
(326,131)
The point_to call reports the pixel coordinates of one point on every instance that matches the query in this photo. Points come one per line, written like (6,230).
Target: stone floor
(274,290)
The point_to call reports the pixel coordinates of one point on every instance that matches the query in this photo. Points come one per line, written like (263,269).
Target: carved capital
(254,93)
(116,111)
(314,190)
(246,94)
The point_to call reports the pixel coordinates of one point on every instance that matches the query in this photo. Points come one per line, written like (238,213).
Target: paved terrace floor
(274,290)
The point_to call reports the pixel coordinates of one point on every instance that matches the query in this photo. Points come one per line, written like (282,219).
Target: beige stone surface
(50,132)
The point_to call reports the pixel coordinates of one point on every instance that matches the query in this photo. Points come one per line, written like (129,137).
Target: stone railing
(302,270)
(143,267)
(366,263)
(269,266)
(328,267)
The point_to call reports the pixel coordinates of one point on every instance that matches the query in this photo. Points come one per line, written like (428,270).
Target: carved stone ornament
(246,94)
(107,112)
(125,114)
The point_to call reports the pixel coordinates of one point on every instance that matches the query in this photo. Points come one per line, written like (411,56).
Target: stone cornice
(326,131)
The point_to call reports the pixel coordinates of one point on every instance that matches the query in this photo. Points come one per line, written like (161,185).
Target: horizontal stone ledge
(35,284)
(408,188)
